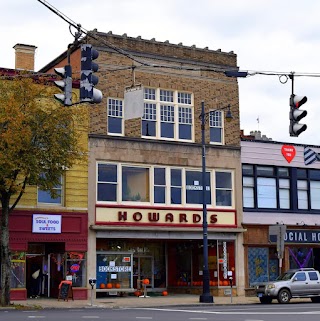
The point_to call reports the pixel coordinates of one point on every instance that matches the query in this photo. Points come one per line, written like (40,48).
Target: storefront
(46,247)
(165,247)
(302,250)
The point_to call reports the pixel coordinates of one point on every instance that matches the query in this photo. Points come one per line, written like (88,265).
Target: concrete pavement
(132,301)
(136,302)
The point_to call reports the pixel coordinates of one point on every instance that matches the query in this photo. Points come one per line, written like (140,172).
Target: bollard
(230,281)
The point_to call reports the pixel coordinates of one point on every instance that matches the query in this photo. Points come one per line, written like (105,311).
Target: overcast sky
(267,35)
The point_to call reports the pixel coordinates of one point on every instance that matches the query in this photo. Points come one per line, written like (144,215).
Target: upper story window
(167,114)
(216,127)
(45,197)
(266,187)
(162,185)
(269,187)
(115,116)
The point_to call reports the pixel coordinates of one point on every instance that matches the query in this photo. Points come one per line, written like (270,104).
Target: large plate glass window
(135,184)
(194,187)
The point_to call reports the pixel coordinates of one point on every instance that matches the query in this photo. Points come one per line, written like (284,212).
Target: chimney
(24,56)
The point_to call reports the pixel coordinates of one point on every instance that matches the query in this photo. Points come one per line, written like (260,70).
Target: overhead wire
(93,35)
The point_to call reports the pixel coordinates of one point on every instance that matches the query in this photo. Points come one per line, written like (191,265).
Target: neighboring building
(145,183)
(281,186)
(32,242)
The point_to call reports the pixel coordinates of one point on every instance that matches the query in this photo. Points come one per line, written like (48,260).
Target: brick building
(145,184)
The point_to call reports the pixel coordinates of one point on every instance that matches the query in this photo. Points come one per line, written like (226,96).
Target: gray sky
(266,35)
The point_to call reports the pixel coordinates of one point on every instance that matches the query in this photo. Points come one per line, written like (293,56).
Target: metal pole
(205,297)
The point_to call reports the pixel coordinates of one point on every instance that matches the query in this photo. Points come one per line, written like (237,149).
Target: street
(292,312)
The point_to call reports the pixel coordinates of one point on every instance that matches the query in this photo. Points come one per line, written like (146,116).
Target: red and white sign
(288,152)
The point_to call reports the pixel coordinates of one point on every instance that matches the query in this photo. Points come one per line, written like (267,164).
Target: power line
(93,35)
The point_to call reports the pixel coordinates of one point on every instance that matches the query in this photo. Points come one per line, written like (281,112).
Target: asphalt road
(276,312)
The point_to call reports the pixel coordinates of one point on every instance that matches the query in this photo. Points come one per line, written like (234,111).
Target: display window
(114,270)
(76,268)
(18,268)
(185,261)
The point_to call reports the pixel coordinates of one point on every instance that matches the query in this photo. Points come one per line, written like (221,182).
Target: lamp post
(206,296)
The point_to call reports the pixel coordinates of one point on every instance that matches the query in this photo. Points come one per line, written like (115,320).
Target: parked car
(295,283)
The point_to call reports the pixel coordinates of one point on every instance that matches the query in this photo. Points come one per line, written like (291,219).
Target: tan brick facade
(213,87)
(170,67)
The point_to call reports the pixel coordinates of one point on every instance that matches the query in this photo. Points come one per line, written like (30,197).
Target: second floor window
(115,116)
(119,183)
(44,196)
(167,115)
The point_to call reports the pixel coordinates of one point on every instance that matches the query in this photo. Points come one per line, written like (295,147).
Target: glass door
(143,269)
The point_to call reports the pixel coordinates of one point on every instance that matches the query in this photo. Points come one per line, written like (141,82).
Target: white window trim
(176,105)
(167,186)
(122,118)
(222,129)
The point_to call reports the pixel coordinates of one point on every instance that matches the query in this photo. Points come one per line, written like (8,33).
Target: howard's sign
(43,223)
(152,216)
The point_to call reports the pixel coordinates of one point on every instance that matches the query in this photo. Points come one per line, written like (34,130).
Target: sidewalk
(132,301)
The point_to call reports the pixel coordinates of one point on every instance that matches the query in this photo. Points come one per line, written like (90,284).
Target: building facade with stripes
(281,191)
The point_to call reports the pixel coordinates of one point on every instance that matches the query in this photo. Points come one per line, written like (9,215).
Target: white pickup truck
(296,283)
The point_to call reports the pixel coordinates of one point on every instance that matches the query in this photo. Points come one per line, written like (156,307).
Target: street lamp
(206,297)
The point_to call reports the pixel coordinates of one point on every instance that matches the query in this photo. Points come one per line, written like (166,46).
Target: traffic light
(296,115)
(65,85)
(88,80)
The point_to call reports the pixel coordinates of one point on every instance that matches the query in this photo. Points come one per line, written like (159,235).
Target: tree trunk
(5,255)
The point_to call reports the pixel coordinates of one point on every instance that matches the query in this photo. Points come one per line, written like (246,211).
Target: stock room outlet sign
(43,223)
(288,152)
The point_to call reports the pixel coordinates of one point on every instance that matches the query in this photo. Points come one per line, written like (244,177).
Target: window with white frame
(115,116)
(176,185)
(167,115)
(223,188)
(45,197)
(162,185)
(135,183)
(302,191)
(216,127)
(159,178)
(107,182)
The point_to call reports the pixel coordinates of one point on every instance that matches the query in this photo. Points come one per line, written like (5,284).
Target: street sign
(276,235)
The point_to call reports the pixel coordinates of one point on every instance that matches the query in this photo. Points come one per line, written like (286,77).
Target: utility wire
(93,35)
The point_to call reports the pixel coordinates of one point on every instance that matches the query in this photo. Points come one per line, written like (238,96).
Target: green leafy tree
(38,141)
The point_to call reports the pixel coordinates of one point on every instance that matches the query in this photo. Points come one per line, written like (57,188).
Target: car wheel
(284,296)
(265,300)
(315,299)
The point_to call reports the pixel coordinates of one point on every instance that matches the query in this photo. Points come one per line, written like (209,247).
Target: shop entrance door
(143,269)
(55,273)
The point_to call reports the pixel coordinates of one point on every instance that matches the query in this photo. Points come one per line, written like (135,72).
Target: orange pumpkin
(146,281)
(225,283)
(137,293)
(117,285)
(102,286)
(109,285)
(164,293)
